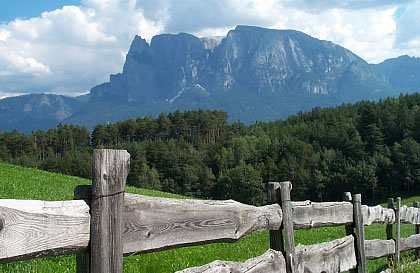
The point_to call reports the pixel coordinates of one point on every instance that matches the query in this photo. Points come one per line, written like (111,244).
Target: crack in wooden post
(110,170)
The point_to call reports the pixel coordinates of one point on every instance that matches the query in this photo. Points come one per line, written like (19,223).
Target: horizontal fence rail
(32,229)
(334,256)
(153,224)
(270,262)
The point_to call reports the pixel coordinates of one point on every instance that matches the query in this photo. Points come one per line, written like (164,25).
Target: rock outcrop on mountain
(254,74)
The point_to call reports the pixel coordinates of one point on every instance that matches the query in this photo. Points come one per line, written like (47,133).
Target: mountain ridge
(252,73)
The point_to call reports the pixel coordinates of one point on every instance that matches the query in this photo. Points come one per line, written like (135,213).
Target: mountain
(402,72)
(253,74)
(36,111)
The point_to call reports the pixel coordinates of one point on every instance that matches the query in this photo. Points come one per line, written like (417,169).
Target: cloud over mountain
(76,47)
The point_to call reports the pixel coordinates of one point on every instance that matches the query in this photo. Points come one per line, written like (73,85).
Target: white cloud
(408,27)
(74,48)
(368,33)
(70,49)
(4,95)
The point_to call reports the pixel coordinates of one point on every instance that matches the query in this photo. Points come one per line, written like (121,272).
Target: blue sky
(25,9)
(69,46)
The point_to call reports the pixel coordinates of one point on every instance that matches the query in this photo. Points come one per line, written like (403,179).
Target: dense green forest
(368,147)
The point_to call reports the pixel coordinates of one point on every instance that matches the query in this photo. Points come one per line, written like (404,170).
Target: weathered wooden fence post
(350,227)
(285,188)
(389,235)
(397,232)
(276,236)
(110,170)
(416,205)
(83,192)
(360,238)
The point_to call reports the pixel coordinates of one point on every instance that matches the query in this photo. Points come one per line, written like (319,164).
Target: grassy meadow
(21,183)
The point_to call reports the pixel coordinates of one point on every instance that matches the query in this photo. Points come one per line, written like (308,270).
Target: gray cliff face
(260,59)
(253,74)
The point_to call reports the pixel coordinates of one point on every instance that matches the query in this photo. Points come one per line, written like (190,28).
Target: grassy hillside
(20,183)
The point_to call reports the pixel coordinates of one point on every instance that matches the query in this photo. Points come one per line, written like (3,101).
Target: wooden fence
(103,224)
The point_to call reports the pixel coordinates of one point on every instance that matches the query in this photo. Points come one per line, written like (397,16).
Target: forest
(368,147)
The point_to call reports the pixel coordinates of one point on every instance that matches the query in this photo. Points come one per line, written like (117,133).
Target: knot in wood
(1,224)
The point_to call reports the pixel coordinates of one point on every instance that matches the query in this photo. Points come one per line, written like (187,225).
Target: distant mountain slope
(253,74)
(36,111)
(402,72)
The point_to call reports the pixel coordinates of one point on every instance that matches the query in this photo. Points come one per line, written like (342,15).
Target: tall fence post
(285,188)
(110,170)
(416,205)
(389,235)
(276,236)
(83,192)
(360,238)
(350,227)
(398,229)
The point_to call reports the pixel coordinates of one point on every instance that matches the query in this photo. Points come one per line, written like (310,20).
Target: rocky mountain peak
(252,73)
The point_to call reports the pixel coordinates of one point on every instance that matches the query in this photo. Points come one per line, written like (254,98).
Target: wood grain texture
(350,227)
(309,214)
(110,169)
(409,215)
(270,262)
(276,236)
(417,228)
(409,243)
(360,233)
(330,257)
(32,229)
(375,249)
(153,224)
(83,258)
(289,235)
(377,214)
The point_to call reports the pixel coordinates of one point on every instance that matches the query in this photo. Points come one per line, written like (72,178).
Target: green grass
(21,183)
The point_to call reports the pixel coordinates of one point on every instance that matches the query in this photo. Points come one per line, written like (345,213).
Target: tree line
(368,147)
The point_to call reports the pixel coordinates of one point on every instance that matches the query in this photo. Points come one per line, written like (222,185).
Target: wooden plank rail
(377,214)
(104,223)
(409,243)
(309,214)
(375,249)
(271,261)
(410,215)
(334,256)
(154,224)
(33,229)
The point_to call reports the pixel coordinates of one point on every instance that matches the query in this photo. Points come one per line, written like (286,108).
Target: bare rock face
(253,73)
